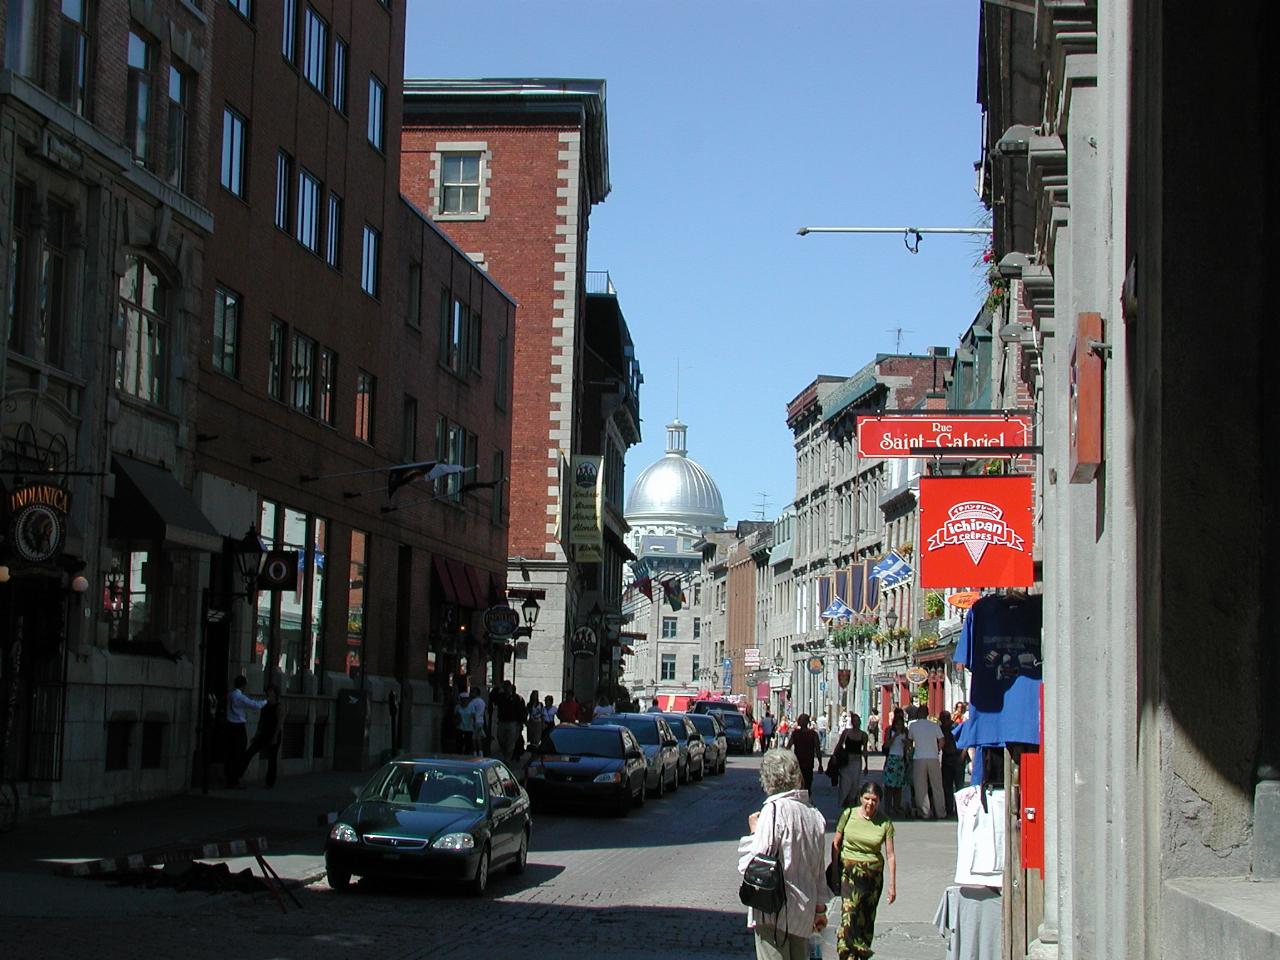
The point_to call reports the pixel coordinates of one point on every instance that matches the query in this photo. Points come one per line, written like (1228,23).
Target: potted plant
(934,605)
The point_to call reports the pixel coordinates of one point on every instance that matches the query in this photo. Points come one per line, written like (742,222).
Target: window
(284,188)
(289,625)
(302,373)
(409,431)
(289,35)
(233,132)
(18,246)
(500,375)
(129,599)
(697,628)
(377,95)
(325,382)
(242,7)
(175,163)
(453,324)
(140,365)
(340,74)
(49,340)
(413,316)
(275,359)
(697,594)
(119,733)
(499,487)
(308,232)
(457,446)
(333,233)
(22,37)
(366,386)
(73,50)
(460,183)
(668,666)
(474,325)
(153,744)
(369,261)
(226,331)
(669,627)
(697,663)
(315,48)
(138,105)
(358,571)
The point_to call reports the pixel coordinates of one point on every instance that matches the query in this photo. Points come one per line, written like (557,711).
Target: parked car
(712,706)
(599,765)
(692,751)
(713,740)
(446,818)
(737,732)
(661,749)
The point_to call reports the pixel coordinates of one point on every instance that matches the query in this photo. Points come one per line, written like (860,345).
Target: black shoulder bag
(763,887)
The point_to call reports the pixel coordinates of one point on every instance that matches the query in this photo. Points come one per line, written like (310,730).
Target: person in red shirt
(804,744)
(568,711)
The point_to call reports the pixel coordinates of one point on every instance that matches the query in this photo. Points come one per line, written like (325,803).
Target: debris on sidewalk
(183,877)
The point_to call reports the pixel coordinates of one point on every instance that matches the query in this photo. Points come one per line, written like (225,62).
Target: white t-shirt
(603,710)
(927,736)
(476,708)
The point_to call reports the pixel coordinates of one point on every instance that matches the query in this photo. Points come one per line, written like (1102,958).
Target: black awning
(150,504)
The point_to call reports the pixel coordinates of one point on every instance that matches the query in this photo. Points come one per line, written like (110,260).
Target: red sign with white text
(976,532)
(950,434)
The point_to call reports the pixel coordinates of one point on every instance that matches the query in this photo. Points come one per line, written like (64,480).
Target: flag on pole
(838,610)
(406,473)
(891,570)
(672,593)
(642,582)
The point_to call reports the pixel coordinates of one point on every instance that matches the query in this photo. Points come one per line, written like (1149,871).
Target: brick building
(510,169)
(343,334)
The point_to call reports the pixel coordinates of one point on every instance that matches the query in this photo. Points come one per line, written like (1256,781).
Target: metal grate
(293,741)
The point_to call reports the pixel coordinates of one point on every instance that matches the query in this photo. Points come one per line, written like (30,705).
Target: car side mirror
(355,792)
(634,754)
(501,803)
(694,738)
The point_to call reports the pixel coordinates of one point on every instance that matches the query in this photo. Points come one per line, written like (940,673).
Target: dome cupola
(676,490)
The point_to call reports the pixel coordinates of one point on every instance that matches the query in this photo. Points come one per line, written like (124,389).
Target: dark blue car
(596,766)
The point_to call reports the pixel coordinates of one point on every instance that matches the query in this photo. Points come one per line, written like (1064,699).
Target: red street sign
(895,436)
(976,532)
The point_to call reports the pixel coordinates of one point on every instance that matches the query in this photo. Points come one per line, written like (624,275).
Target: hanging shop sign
(583,642)
(964,599)
(815,665)
(1084,398)
(586,531)
(751,657)
(38,521)
(917,675)
(842,678)
(964,434)
(280,571)
(501,622)
(977,532)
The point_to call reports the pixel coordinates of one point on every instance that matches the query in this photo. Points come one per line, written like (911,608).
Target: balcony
(599,282)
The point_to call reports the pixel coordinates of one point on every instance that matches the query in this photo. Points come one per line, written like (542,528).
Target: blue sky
(731,124)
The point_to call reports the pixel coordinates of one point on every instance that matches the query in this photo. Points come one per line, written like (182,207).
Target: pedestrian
(823,726)
(767,725)
(864,843)
(237,736)
(604,706)
(479,712)
(464,722)
(266,738)
(803,742)
(548,714)
(757,735)
(535,721)
(873,729)
(510,713)
(926,764)
(895,763)
(851,747)
(567,712)
(791,829)
(952,762)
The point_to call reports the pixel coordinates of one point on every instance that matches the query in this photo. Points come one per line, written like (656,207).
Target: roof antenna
(762,508)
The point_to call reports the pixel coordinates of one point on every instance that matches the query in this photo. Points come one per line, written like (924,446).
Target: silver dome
(676,489)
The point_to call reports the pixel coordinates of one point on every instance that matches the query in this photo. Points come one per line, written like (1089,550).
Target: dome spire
(677,445)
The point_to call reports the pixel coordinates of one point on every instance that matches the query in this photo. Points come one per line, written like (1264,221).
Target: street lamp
(530,610)
(891,619)
(249,553)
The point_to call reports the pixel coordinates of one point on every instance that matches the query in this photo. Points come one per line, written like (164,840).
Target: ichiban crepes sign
(896,436)
(976,532)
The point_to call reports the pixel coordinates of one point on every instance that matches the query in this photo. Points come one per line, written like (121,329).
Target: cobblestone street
(661,882)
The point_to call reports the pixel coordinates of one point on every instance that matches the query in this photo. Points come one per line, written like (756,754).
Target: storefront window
(126,598)
(290,624)
(292,606)
(357,571)
(316,567)
(266,599)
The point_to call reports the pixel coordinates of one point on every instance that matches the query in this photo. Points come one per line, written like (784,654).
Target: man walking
(510,713)
(237,737)
(926,765)
(804,744)
(767,726)
(266,739)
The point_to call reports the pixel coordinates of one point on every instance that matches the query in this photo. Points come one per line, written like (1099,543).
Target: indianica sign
(897,436)
(976,532)
(38,525)
(585,530)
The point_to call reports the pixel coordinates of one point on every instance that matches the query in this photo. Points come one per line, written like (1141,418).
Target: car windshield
(676,722)
(585,742)
(429,785)
(646,730)
(705,724)
(733,720)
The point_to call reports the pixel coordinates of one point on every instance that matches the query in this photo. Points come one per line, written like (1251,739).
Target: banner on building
(751,657)
(976,532)
(959,434)
(586,532)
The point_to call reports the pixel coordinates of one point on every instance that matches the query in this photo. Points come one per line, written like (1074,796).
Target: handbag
(763,887)
(833,872)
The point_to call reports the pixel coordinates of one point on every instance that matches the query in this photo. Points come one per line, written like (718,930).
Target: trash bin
(351,730)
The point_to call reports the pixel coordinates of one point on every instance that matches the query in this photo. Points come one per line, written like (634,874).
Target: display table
(970,917)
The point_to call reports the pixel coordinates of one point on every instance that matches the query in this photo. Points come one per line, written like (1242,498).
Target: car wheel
(623,806)
(517,865)
(702,770)
(477,885)
(724,761)
(661,790)
(682,773)
(642,796)
(339,880)
(675,779)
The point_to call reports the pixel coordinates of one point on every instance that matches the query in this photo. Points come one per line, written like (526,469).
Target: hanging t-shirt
(980,837)
(863,839)
(1000,645)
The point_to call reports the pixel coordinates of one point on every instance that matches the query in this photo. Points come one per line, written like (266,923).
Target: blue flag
(892,569)
(838,610)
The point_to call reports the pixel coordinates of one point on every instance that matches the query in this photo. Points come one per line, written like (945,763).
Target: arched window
(143,359)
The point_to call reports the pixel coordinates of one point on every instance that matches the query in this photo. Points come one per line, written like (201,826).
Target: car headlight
(344,833)
(455,841)
(609,778)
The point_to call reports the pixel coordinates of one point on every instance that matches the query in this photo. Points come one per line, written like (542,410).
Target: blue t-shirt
(1000,645)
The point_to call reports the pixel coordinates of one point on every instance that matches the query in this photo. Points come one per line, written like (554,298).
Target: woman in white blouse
(787,827)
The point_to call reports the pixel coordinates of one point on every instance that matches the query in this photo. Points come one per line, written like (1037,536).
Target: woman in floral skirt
(864,842)
(895,761)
